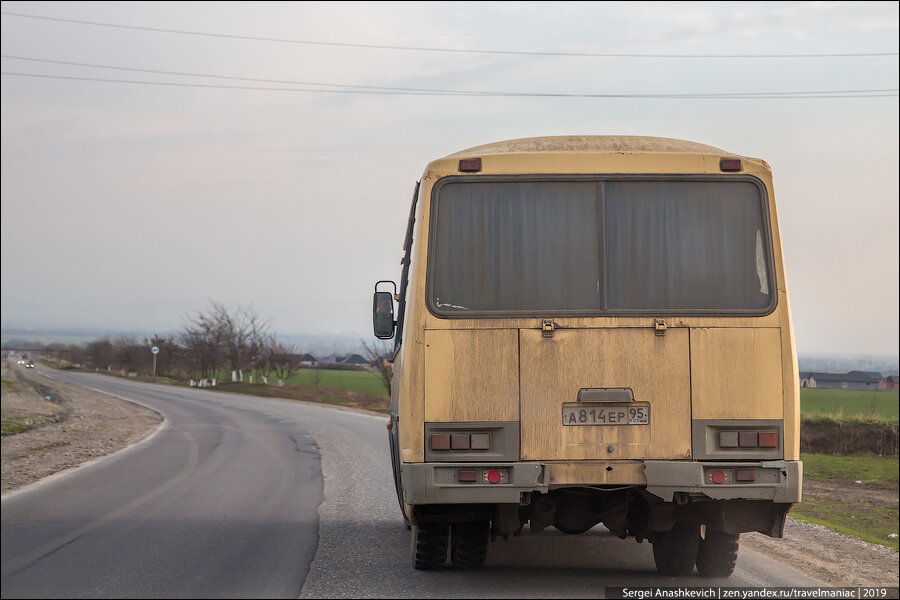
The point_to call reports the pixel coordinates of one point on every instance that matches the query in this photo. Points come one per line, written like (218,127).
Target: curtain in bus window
(684,245)
(505,246)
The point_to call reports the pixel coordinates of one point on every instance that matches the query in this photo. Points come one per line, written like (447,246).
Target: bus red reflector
(729,164)
(768,439)
(718,477)
(440,441)
(745,476)
(467,476)
(470,165)
(494,476)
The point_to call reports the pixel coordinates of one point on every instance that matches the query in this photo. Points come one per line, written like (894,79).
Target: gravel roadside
(74,426)
(78,425)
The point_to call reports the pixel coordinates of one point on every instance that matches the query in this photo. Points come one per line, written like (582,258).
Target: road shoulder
(74,426)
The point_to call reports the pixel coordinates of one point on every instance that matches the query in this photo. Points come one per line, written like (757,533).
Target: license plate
(606,415)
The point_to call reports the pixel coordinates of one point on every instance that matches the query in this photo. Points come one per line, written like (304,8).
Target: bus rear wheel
(675,551)
(468,544)
(429,545)
(717,553)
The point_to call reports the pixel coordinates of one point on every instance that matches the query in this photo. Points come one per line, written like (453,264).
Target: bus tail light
(440,441)
(460,441)
(467,476)
(768,439)
(730,165)
(748,439)
(745,476)
(470,165)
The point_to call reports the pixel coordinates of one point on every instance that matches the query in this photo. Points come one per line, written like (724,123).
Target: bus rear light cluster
(460,441)
(748,439)
(720,476)
(485,475)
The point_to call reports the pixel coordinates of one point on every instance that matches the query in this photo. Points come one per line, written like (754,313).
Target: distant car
(29,365)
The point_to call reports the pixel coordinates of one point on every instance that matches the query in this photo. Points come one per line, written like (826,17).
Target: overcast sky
(127,205)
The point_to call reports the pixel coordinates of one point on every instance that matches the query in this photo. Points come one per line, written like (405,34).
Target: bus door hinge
(547,327)
(660,326)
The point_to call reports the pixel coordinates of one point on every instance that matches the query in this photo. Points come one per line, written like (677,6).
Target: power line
(432,49)
(211,76)
(430,91)
(887,93)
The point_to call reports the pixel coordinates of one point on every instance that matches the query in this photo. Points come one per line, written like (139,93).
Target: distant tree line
(216,343)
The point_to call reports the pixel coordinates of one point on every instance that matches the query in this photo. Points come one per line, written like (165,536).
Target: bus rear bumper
(777,481)
(439,483)
(780,481)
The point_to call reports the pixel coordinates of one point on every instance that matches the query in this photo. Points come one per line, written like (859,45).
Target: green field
(359,382)
(848,405)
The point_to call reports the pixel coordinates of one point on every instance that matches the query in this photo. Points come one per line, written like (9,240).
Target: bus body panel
(656,368)
(471,375)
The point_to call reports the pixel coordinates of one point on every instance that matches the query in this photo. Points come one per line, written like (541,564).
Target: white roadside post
(155,351)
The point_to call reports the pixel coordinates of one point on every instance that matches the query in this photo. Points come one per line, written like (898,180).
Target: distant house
(872,374)
(889,383)
(308,360)
(355,360)
(804,379)
(854,380)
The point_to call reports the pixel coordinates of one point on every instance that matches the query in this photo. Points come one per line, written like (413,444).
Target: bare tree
(283,361)
(379,353)
(202,341)
(234,339)
(100,354)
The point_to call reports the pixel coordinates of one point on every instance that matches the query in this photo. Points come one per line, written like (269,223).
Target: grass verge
(866,510)
(309,394)
(876,471)
(14,426)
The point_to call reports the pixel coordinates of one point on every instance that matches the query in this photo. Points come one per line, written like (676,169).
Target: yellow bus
(592,329)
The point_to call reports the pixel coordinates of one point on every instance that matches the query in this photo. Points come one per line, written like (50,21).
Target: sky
(129,205)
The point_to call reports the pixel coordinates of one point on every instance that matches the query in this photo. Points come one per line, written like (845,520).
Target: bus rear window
(594,246)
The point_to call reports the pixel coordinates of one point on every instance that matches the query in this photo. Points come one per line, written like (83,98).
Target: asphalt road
(226,500)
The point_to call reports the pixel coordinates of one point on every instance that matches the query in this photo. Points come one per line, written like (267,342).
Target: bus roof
(591,143)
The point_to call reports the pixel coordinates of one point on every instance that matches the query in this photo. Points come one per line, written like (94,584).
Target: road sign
(155,351)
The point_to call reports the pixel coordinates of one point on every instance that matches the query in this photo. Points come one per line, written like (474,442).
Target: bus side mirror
(383,315)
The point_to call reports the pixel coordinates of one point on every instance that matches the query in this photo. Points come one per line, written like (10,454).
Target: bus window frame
(404,274)
(771,271)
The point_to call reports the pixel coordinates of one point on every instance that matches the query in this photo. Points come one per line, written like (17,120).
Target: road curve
(223,503)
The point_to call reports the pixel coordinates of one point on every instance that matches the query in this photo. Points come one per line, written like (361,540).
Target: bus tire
(429,545)
(469,543)
(717,553)
(675,551)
